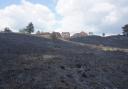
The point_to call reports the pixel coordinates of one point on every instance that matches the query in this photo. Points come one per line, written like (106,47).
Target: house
(44,34)
(81,34)
(65,35)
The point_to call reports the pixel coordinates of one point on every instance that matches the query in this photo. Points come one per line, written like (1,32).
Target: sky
(97,16)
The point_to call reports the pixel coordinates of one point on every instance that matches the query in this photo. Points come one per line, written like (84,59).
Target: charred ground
(31,62)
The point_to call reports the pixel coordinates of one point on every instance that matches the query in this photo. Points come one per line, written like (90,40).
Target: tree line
(27,30)
(30,29)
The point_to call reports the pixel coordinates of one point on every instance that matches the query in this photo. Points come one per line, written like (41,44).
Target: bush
(8,30)
(55,35)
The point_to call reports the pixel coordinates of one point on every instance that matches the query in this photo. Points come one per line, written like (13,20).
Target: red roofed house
(81,34)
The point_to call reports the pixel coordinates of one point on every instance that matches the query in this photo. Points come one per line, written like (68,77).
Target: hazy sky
(96,16)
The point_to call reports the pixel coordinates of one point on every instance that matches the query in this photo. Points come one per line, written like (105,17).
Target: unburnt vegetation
(31,62)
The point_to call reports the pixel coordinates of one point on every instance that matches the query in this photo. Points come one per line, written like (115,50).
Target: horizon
(103,16)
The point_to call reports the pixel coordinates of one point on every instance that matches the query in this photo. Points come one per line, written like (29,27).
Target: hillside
(31,62)
(112,41)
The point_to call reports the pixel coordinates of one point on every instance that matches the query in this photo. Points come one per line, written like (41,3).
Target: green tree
(29,29)
(125,30)
(103,34)
(7,29)
(55,35)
